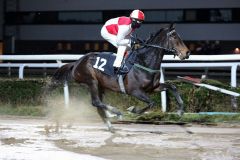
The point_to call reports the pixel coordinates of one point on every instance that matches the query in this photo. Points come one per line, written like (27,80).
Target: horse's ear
(172,26)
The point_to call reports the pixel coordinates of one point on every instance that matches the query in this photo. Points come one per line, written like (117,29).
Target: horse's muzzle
(187,54)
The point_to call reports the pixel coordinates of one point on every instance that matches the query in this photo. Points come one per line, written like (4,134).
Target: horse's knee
(165,86)
(159,89)
(180,112)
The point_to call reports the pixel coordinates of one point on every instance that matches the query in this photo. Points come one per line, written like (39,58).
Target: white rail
(39,57)
(210,61)
(232,57)
(232,65)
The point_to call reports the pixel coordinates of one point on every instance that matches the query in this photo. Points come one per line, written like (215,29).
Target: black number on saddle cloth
(104,63)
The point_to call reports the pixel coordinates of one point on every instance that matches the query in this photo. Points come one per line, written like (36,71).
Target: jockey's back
(117,31)
(120,23)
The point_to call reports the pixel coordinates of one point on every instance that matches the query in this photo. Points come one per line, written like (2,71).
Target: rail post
(163,93)
(9,70)
(234,84)
(66,94)
(21,70)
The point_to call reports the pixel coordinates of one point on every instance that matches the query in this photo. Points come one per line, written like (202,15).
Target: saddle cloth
(104,62)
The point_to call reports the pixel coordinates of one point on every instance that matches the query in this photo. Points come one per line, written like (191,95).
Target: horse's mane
(153,35)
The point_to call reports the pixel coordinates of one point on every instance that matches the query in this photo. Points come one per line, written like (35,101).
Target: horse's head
(169,40)
(175,43)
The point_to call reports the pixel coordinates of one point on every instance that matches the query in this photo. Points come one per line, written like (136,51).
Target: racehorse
(142,78)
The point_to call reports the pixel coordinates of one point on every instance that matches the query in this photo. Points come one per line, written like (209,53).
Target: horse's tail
(63,73)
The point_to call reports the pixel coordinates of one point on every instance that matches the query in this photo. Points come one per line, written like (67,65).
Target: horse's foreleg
(96,97)
(142,96)
(109,108)
(100,93)
(105,119)
(174,90)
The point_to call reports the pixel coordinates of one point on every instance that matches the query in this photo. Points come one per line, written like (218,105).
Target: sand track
(31,138)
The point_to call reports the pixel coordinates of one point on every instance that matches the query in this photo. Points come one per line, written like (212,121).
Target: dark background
(73,26)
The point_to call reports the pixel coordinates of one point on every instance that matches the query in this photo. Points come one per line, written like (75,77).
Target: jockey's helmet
(138,15)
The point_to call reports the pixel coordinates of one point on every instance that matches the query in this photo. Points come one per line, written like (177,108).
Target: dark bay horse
(141,79)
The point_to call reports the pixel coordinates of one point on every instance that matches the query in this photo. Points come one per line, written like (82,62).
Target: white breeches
(113,40)
(120,54)
(109,37)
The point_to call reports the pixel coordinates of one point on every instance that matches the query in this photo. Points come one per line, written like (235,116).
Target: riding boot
(123,70)
(116,69)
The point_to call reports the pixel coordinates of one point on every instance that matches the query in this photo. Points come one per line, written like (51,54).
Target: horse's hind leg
(176,95)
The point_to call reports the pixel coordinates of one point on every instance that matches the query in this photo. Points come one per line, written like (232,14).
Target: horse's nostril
(187,54)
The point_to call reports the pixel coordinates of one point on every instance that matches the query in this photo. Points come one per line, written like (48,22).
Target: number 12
(100,63)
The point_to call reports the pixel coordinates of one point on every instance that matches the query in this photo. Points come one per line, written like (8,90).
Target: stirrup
(116,69)
(122,70)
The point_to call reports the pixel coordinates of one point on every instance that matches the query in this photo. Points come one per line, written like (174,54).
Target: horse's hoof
(110,115)
(111,129)
(117,113)
(114,110)
(132,109)
(180,112)
(120,117)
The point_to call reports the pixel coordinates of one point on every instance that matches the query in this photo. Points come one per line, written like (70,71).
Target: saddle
(104,63)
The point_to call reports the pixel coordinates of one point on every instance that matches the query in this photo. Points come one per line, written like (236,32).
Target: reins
(142,43)
(160,47)
(146,68)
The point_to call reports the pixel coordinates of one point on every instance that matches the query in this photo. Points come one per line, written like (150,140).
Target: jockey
(117,31)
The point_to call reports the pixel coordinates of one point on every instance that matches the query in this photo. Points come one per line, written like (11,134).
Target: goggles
(137,21)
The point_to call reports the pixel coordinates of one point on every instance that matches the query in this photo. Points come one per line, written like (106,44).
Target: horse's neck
(150,57)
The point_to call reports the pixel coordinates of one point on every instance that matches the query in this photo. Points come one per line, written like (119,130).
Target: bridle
(168,49)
